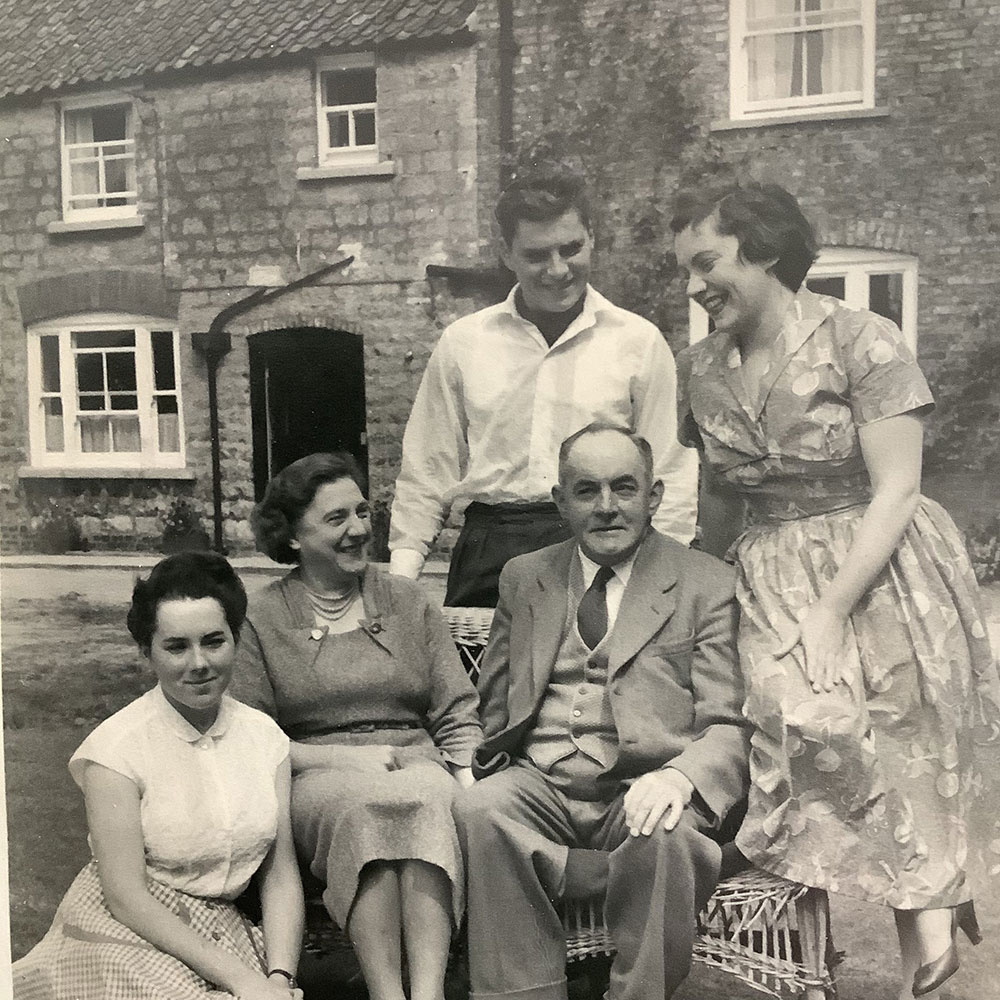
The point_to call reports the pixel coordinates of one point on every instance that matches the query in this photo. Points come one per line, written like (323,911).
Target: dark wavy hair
(541,193)
(186,575)
(290,492)
(765,219)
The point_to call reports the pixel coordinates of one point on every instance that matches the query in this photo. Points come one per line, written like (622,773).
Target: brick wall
(217,163)
(630,89)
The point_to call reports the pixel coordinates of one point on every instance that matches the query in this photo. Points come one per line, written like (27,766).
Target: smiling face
(333,533)
(192,653)
(606,497)
(734,292)
(551,261)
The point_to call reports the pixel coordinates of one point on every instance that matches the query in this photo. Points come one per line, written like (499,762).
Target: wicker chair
(770,933)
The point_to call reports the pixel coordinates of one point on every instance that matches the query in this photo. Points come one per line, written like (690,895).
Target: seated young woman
(187,796)
(359,669)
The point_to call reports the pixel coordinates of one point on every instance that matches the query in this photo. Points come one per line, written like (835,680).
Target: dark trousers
(492,534)
(520,835)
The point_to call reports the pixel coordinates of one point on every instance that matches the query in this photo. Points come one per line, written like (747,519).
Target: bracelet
(284,972)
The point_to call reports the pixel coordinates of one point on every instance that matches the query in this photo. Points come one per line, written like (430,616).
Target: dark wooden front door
(307,394)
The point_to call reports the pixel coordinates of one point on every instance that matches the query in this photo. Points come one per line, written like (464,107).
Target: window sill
(385,168)
(795,117)
(129,222)
(103,472)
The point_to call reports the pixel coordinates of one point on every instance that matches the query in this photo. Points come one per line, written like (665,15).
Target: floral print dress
(880,789)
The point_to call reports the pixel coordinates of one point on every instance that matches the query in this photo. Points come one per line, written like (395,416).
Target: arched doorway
(307,393)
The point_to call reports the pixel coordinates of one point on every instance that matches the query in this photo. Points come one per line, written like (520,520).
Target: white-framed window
(104,391)
(98,159)
(790,57)
(884,282)
(346,110)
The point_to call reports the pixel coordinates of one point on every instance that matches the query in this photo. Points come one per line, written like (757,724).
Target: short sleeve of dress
(267,735)
(687,429)
(110,746)
(883,376)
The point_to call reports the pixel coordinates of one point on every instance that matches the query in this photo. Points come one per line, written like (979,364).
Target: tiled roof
(51,44)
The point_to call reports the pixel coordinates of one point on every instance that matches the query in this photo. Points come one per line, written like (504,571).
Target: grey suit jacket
(676,690)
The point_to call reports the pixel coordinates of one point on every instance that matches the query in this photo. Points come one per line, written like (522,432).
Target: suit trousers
(518,830)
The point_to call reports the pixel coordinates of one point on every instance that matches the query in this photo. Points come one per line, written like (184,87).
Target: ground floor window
(104,392)
(885,283)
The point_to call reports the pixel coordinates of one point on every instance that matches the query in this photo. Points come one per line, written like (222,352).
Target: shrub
(183,529)
(57,531)
(983,544)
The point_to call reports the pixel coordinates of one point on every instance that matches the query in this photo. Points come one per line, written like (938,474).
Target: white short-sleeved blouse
(208,805)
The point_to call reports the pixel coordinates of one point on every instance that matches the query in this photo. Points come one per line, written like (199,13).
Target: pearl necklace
(332,607)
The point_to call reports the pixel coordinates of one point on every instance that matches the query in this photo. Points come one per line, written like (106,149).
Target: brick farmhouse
(230,233)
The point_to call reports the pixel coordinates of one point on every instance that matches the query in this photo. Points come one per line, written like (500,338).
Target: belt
(534,510)
(369,727)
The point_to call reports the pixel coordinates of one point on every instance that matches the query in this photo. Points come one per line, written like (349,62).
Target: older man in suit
(614,743)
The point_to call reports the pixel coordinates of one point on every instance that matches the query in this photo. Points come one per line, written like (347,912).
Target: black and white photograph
(499,499)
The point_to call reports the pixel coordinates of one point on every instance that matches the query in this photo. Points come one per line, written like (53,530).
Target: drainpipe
(215,344)
(507,50)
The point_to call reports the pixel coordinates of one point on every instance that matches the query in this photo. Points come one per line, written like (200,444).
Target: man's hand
(406,562)
(654,796)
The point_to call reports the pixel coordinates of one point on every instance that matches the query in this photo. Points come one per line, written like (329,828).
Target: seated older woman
(359,670)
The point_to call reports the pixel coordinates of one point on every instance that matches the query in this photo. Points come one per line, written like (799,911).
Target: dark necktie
(592,614)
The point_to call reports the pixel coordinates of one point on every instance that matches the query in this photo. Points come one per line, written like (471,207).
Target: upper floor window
(885,283)
(801,56)
(98,160)
(346,110)
(104,392)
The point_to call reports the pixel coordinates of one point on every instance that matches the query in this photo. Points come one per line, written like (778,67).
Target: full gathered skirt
(885,788)
(88,955)
(344,819)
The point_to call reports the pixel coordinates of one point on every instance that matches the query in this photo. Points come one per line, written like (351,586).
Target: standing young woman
(869,675)
(187,797)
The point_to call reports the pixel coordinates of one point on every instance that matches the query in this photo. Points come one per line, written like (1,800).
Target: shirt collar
(593,303)
(183,729)
(622,570)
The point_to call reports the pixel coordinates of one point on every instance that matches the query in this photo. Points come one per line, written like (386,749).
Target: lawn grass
(67,665)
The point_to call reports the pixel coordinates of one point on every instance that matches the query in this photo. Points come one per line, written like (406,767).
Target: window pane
(90,373)
(840,52)
(105,338)
(339,129)
(121,371)
(349,86)
(50,364)
(79,126)
(110,123)
(827,286)
(773,66)
(125,434)
(85,178)
(168,424)
(364,128)
(53,410)
(92,401)
(164,375)
(885,296)
(116,178)
(95,435)
(123,401)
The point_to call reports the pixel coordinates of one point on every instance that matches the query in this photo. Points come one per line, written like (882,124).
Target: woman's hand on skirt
(272,988)
(821,633)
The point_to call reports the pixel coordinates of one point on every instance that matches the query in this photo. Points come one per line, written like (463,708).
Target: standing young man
(505,385)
